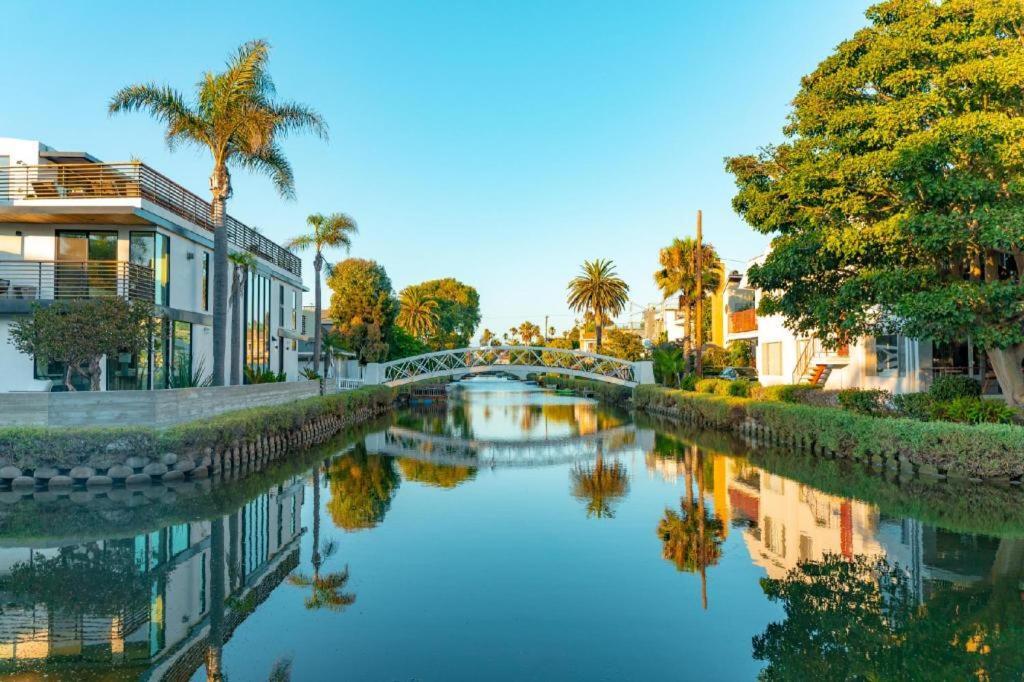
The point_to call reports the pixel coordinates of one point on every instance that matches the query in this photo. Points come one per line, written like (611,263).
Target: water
(520,535)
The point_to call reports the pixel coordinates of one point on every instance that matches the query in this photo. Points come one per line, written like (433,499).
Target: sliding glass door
(86,264)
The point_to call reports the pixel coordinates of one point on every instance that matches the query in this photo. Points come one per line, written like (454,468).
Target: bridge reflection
(398,441)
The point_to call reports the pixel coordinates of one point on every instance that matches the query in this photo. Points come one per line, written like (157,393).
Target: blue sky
(501,143)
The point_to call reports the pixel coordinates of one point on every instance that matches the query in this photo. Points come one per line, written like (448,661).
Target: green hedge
(984,450)
(603,391)
(67,446)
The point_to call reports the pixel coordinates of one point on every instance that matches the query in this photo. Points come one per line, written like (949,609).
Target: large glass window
(771,360)
(181,352)
(296,305)
(257,335)
(280,303)
(153,251)
(206,281)
(887,357)
(82,270)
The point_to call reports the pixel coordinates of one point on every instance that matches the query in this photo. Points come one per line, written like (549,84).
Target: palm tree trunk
(316,523)
(215,639)
(700,520)
(236,335)
(598,323)
(318,263)
(220,187)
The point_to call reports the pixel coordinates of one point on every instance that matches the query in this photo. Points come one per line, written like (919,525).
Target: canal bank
(60,460)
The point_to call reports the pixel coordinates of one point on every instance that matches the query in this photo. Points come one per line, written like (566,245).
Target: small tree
(80,332)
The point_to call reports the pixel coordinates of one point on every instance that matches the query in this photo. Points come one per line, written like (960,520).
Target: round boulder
(169,458)
(155,469)
(199,472)
(45,473)
(184,465)
(120,472)
(173,475)
(137,480)
(23,483)
(11,473)
(136,462)
(61,482)
(99,482)
(82,473)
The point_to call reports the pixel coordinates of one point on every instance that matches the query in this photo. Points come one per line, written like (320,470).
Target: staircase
(817,375)
(814,365)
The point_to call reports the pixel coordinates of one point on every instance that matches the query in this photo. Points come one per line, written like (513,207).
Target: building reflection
(147,602)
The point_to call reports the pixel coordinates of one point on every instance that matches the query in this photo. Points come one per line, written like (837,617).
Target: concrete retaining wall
(143,408)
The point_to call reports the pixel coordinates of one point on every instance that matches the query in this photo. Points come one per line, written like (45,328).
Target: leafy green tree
(600,485)
(402,344)
(80,332)
(678,275)
(436,475)
(458,312)
(362,486)
(599,291)
(234,115)
(333,231)
(417,312)
(242,263)
(896,200)
(621,344)
(363,307)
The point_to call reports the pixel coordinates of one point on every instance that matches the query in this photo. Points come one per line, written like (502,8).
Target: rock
(45,473)
(155,469)
(23,483)
(119,472)
(185,465)
(10,496)
(136,462)
(11,473)
(99,482)
(169,459)
(154,492)
(81,496)
(82,473)
(138,480)
(173,475)
(199,472)
(44,496)
(61,482)
(118,494)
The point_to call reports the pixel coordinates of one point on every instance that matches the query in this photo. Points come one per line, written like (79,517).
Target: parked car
(748,373)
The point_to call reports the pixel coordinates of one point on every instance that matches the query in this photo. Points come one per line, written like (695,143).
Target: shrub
(740,388)
(713,386)
(785,393)
(689,382)
(947,388)
(967,410)
(870,401)
(920,406)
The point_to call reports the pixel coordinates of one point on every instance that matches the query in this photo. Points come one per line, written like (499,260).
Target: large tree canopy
(457,311)
(362,307)
(896,200)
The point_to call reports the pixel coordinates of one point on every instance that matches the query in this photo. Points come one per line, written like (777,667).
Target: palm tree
(326,589)
(486,337)
(417,313)
(243,262)
(234,115)
(528,332)
(600,485)
(328,232)
(678,273)
(599,291)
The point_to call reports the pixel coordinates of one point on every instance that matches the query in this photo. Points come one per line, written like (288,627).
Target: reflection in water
(692,538)
(362,486)
(600,485)
(798,581)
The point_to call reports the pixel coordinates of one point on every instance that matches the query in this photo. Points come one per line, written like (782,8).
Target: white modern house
(892,362)
(72,226)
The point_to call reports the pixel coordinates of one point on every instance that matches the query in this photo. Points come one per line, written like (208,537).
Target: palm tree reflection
(600,485)
(692,538)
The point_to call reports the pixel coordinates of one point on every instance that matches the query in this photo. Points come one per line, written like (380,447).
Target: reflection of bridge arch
(520,360)
(402,442)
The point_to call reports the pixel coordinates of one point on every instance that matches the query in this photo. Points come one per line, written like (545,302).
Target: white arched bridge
(520,360)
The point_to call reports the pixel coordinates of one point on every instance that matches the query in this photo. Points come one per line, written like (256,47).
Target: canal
(518,534)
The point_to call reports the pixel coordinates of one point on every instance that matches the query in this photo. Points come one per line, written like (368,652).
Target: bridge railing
(538,358)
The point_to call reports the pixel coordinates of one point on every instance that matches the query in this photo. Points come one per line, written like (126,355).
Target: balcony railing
(743,321)
(133,180)
(29,280)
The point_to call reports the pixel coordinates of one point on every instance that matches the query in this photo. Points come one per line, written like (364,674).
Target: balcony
(55,183)
(743,321)
(24,281)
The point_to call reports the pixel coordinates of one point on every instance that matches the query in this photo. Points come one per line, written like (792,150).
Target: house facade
(892,362)
(73,227)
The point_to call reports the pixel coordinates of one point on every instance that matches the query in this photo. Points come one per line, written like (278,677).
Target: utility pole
(699,368)
(545,330)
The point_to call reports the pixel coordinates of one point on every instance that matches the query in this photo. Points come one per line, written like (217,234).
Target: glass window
(258,320)
(296,305)
(161,376)
(206,281)
(181,350)
(54,371)
(179,538)
(153,251)
(887,358)
(280,317)
(76,276)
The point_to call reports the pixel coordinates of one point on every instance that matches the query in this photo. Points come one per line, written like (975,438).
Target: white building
(72,226)
(892,361)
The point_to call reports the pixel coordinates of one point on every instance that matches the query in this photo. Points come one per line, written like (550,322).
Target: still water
(515,534)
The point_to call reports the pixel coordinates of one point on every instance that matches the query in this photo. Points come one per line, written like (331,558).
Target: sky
(500,143)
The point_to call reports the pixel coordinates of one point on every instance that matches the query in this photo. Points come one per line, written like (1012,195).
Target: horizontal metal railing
(60,280)
(133,180)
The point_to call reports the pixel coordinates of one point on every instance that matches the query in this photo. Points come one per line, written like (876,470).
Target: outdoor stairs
(818,374)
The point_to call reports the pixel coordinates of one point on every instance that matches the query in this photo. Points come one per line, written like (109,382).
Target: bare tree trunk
(95,373)
(1006,362)
(220,187)
(67,377)
(318,263)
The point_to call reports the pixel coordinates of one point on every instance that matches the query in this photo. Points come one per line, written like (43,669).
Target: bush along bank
(230,444)
(599,390)
(982,451)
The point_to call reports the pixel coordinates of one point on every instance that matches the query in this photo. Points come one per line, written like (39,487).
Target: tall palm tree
(599,291)
(243,263)
(486,336)
(600,485)
(678,273)
(333,231)
(234,115)
(417,313)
